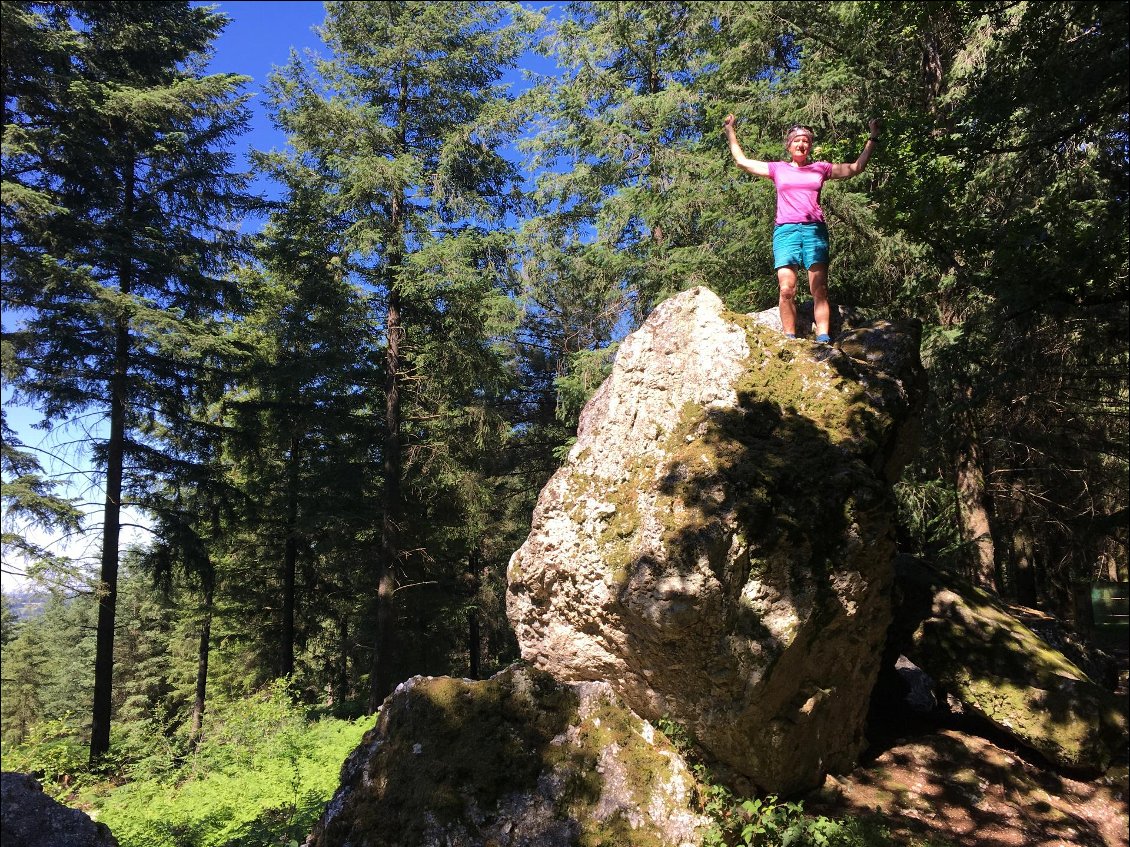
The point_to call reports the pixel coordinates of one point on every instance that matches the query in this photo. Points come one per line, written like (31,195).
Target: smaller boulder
(33,819)
(518,760)
(1001,670)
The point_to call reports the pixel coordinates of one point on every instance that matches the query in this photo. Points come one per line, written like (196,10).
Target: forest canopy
(337,426)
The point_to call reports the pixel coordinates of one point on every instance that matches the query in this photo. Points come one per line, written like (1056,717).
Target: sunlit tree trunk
(973,503)
(290,562)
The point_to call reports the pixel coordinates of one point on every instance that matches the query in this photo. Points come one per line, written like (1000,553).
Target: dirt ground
(951,788)
(954,782)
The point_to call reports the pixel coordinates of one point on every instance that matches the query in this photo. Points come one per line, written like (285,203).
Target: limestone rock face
(519,760)
(718,544)
(998,667)
(33,819)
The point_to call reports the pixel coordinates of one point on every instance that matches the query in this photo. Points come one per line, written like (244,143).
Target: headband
(796,130)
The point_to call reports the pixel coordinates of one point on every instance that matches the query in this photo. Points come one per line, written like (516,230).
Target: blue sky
(259,39)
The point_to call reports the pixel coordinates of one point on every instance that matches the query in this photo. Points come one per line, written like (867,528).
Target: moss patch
(450,747)
(645,767)
(453,751)
(786,468)
(1016,680)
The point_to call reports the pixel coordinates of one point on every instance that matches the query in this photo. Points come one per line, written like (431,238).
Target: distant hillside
(26,602)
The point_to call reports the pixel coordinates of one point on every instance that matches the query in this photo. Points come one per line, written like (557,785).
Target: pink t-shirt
(798,191)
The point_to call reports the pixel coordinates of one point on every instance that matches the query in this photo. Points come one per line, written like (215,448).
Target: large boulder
(980,653)
(515,761)
(33,819)
(718,544)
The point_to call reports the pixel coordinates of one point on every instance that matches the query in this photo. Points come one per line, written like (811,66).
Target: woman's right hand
(728,123)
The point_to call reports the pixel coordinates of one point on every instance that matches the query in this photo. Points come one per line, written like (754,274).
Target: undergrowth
(767,821)
(260,777)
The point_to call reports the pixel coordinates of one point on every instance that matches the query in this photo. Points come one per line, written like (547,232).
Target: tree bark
(202,662)
(972,501)
(290,562)
(111,524)
(380,683)
(474,636)
(340,670)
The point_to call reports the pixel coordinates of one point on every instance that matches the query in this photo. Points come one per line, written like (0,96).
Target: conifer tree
(619,134)
(115,245)
(26,669)
(300,436)
(402,124)
(31,502)
(1001,176)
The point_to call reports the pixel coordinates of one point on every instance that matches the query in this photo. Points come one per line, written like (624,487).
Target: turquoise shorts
(800,245)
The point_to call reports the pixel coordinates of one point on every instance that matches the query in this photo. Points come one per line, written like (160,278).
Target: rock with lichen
(1000,669)
(718,544)
(519,760)
(33,819)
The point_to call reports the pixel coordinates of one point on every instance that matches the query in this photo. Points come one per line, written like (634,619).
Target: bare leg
(786,303)
(821,309)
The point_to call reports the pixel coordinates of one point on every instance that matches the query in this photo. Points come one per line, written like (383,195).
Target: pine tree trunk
(474,636)
(111,525)
(341,688)
(290,564)
(202,664)
(973,510)
(108,578)
(381,677)
(382,671)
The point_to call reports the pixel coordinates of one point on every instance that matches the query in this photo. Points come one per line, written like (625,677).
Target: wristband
(872,138)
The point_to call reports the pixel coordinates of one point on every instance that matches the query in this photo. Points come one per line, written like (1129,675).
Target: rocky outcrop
(995,666)
(32,819)
(718,545)
(515,761)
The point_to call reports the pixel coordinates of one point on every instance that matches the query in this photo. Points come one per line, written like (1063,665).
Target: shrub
(261,776)
(55,753)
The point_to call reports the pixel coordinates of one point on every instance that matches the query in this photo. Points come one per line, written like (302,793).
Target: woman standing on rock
(800,238)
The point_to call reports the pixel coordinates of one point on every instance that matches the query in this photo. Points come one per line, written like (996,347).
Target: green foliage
(768,822)
(31,501)
(927,512)
(587,370)
(261,776)
(9,621)
(765,821)
(995,211)
(53,752)
(46,667)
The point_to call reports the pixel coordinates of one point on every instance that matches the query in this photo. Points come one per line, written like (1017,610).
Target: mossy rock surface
(515,760)
(978,651)
(718,544)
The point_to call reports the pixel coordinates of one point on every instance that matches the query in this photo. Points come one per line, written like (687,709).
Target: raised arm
(844,170)
(751,165)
